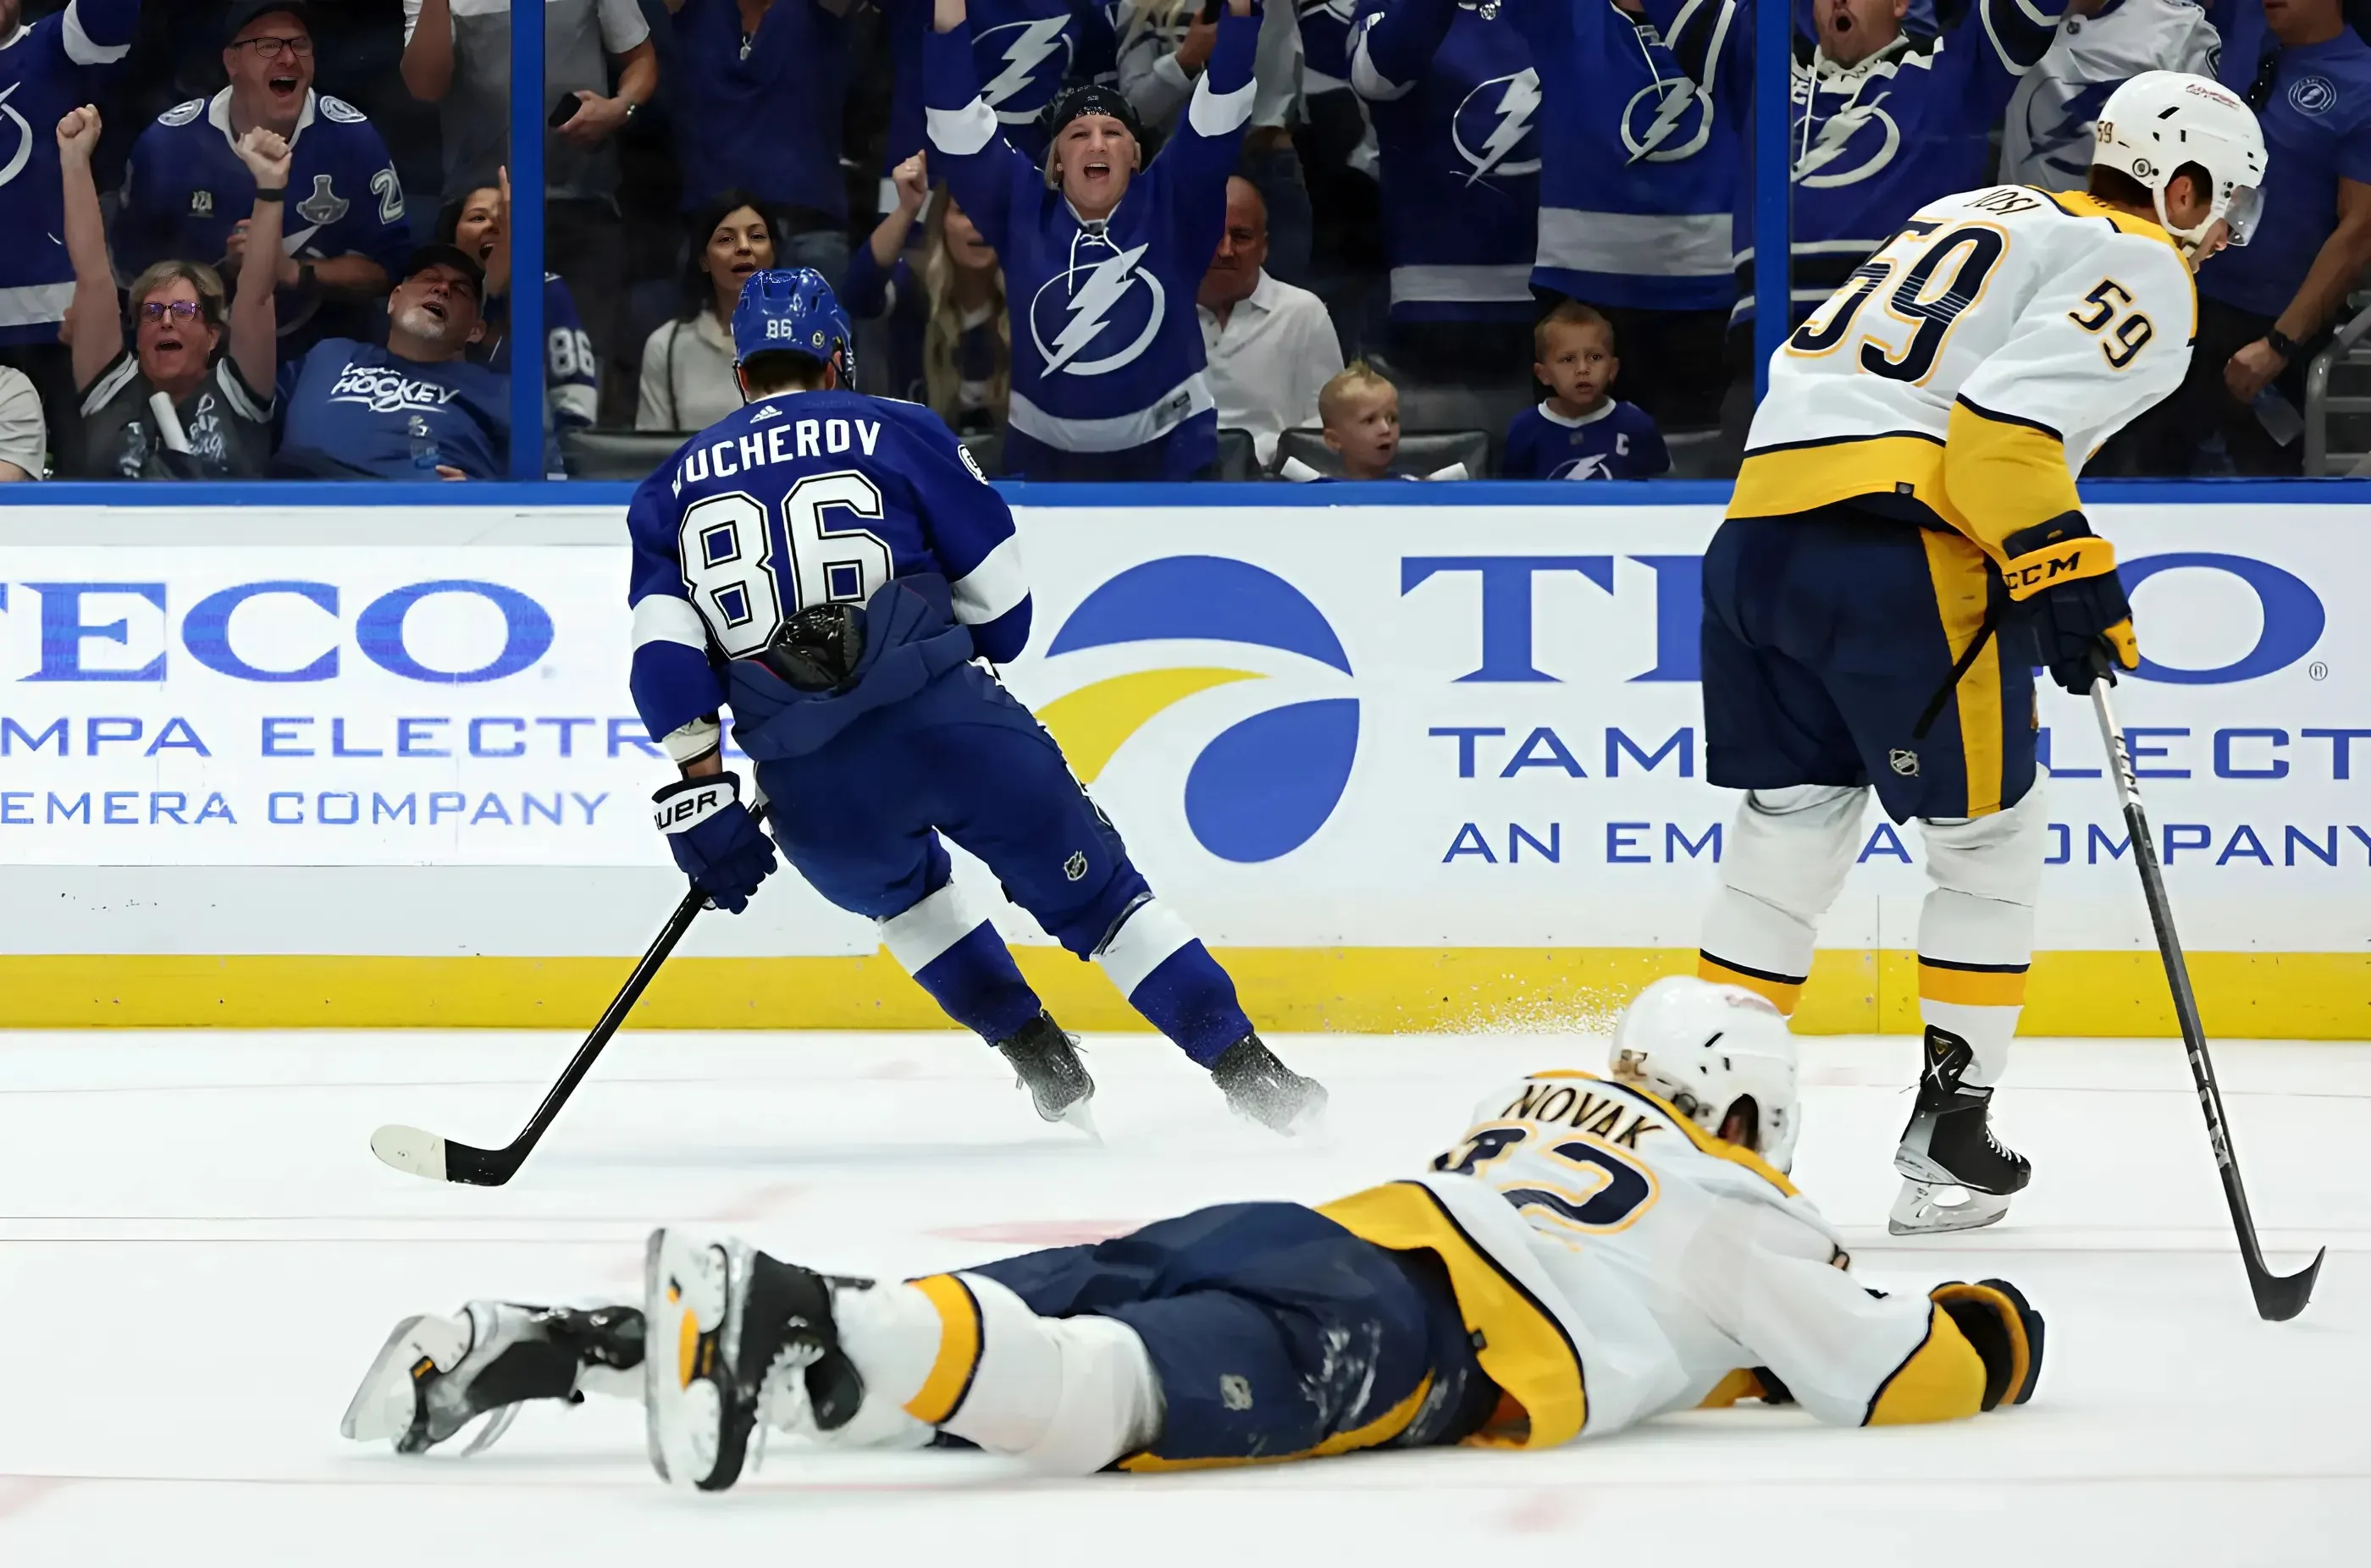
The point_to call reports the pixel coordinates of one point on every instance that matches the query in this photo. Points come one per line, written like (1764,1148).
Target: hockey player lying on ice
(1590,1253)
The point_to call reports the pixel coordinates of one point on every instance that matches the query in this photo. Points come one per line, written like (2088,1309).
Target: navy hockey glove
(716,840)
(2066,575)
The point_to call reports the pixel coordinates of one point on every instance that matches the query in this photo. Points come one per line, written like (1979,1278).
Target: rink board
(1406,767)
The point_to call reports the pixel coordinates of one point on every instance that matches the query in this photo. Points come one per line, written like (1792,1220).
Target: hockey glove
(2006,1332)
(2081,620)
(716,841)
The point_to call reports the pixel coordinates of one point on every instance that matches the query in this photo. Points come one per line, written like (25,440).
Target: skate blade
(686,1291)
(1081,1115)
(385,1403)
(1917,1213)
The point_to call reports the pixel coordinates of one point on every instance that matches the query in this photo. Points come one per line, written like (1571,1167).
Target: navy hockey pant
(1826,637)
(1275,1334)
(860,818)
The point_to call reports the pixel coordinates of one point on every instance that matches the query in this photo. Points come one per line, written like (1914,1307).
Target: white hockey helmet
(1707,1049)
(2161,120)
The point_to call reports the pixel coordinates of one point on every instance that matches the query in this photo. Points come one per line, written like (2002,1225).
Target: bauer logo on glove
(714,838)
(682,806)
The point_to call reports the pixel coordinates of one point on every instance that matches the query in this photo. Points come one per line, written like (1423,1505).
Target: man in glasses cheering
(186,192)
(189,396)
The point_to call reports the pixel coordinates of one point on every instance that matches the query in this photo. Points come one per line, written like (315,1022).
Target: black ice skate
(1260,1087)
(1047,1062)
(434,1376)
(1950,1143)
(740,1335)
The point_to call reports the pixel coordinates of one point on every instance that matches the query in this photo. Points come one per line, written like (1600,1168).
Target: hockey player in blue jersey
(830,566)
(1103,251)
(1888,114)
(47,69)
(1457,106)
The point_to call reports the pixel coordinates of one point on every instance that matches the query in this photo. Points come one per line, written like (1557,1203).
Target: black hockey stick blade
(2278,1297)
(423,1154)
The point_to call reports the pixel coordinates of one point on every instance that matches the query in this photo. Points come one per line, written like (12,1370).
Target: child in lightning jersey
(1103,250)
(1904,544)
(1589,1254)
(829,566)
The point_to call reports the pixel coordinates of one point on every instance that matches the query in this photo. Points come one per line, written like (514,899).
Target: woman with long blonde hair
(950,333)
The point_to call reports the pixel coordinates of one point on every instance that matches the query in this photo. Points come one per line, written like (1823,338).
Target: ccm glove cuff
(2049,554)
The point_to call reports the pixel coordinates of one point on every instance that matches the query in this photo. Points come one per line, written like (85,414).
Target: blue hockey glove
(716,840)
(2065,575)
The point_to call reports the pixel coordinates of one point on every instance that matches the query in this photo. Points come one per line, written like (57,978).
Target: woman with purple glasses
(190,396)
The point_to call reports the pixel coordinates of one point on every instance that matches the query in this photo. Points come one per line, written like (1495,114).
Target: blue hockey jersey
(761,111)
(46,69)
(1456,108)
(1022,51)
(572,376)
(356,410)
(1106,349)
(803,498)
(185,188)
(1637,178)
(1871,142)
(1618,442)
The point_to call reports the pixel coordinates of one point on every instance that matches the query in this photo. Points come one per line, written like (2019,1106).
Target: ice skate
(436,1375)
(1045,1061)
(1265,1090)
(1948,1144)
(753,1344)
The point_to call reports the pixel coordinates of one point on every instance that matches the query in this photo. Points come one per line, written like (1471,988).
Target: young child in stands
(1582,432)
(1360,411)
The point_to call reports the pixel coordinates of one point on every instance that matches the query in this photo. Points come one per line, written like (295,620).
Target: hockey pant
(1243,1334)
(860,819)
(1826,639)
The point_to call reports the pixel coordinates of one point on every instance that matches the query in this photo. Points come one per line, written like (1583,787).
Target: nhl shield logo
(1076,866)
(1904,762)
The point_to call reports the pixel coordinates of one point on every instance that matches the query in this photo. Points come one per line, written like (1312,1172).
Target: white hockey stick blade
(411,1151)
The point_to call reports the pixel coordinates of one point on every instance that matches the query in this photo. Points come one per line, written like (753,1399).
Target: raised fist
(267,156)
(78,132)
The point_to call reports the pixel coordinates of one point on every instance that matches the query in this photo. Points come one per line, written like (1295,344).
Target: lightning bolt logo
(1673,98)
(1837,133)
(1032,44)
(1090,307)
(1514,109)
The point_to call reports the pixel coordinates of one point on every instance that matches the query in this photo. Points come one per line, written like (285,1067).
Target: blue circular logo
(2313,95)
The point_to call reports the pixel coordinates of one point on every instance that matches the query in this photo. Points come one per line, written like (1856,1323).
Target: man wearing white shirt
(1270,346)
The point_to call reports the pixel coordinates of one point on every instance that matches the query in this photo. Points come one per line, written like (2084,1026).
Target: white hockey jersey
(1617,1263)
(2046,136)
(1966,373)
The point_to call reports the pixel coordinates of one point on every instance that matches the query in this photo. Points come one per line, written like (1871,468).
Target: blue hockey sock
(1169,976)
(963,964)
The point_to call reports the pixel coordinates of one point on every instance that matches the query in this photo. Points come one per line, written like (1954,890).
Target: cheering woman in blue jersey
(1103,249)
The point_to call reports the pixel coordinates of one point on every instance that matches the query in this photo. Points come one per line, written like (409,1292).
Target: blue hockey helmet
(791,310)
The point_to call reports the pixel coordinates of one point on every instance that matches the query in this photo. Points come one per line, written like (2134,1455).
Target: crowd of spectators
(254,237)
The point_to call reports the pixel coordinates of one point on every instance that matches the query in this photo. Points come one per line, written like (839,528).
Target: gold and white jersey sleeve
(2013,328)
(1617,1263)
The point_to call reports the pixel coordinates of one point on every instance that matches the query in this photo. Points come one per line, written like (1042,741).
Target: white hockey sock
(1975,931)
(961,1352)
(1789,852)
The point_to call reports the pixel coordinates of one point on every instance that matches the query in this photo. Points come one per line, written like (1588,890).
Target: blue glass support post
(526,328)
(1773,43)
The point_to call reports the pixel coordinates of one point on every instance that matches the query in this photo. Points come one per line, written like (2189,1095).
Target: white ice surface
(199,1256)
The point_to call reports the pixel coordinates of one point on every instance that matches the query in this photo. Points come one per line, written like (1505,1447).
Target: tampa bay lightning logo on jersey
(21,131)
(1588,465)
(2058,125)
(1493,130)
(1857,142)
(1666,120)
(2313,95)
(1262,787)
(1098,315)
(1021,63)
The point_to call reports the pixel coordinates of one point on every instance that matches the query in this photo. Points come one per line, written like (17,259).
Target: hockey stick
(2278,1297)
(424,1154)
